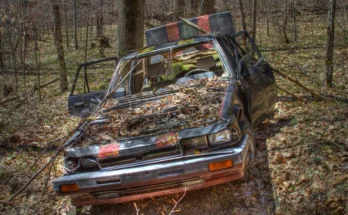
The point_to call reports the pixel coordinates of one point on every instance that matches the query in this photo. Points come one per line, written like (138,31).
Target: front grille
(147,188)
(140,157)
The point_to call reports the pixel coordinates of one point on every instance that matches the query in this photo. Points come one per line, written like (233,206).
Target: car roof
(151,50)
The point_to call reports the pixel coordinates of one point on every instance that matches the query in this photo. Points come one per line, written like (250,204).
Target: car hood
(151,121)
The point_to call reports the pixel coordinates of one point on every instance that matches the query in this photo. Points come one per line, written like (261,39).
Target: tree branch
(193,25)
(36,88)
(295,81)
(293,95)
(47,164)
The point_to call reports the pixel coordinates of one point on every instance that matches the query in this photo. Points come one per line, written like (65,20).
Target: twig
(33,177)
(176,203)
(295,81)
(293,95)
(14,205)
(46,182)
(46,165)
(136,208)
(38,158)
(34,89)
(193,25)
(302,188)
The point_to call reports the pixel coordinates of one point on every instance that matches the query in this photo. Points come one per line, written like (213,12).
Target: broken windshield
(153,73)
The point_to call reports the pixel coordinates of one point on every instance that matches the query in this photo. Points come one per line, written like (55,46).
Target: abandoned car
(177,115)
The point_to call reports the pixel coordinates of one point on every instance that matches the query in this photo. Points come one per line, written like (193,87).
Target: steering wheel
(196,71)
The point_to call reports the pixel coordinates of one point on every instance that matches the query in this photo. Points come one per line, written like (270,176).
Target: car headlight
(89,162)
(220,137)
(72,164)
(195,143)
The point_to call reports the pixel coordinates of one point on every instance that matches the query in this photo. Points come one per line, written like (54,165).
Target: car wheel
(250,160)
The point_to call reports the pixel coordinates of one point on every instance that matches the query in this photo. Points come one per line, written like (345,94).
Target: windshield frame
(168,48)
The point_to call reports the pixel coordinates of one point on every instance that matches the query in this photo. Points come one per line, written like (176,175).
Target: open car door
(90,85)
(255,74)
(258,83)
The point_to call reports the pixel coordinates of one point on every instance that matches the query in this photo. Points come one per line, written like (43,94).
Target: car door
(257,81)
(89,86)
(258,86)
(256,77)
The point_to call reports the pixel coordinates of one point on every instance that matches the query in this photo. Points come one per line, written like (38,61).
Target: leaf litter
(195,104)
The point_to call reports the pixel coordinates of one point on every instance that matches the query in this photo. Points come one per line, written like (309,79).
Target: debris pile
(194,104)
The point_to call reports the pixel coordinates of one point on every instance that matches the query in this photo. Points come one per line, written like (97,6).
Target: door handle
(79,104)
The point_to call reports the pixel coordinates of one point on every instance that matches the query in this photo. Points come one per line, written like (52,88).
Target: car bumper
(116,186)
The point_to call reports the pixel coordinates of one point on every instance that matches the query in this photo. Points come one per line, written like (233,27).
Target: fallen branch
(300,48)
(136,208)
(193,25)
(47,164)
(31,72)
(46,182)
(37,159)
(36,88)
(8,100)
(177,202)
(32,178)
(48,145)
(293,95)
(46,84)
(295,81)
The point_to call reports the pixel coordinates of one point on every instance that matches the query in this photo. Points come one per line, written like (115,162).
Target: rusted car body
(179,129)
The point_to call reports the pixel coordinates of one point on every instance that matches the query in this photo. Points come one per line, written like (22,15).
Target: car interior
(176,67)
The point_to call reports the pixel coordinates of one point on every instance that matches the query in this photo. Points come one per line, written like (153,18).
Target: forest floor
(301,161)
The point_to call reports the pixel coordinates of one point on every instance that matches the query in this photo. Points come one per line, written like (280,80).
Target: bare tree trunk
(294,19)
(207,7)
(250,11)
(75,25)
(285,21)
(66,23)
(254,23)
(345,6)
(20,31)
(24,58)
(179,9)
(13,47)
(59,45)
(330,43)
(242,14)
(131,31)
(37,61)
(194,8)
(267,17)
(87,28)
(1,52)
(100,31)
(130,26)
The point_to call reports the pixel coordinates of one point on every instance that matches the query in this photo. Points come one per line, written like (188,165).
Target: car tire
(250,160)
